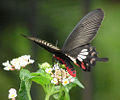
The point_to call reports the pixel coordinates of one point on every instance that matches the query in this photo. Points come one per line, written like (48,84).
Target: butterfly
(77,48)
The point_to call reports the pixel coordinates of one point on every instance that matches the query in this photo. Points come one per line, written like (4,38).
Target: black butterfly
(77,48)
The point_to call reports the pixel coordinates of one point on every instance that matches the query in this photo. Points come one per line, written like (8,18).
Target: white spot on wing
(79,59)
(84,53)
(72,58)
(84,50)
(81,56)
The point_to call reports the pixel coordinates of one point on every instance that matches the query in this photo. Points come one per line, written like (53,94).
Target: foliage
(58,91)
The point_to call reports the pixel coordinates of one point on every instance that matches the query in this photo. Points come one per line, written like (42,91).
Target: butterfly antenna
(56,43)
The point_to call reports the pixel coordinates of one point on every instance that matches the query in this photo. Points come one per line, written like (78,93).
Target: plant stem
(67,96)
(13,99)
(47,96)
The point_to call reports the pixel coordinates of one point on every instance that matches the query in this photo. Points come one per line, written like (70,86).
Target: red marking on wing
(77,64)
(83,66)
(72,73)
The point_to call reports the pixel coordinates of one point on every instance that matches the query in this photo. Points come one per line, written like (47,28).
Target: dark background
(53,20)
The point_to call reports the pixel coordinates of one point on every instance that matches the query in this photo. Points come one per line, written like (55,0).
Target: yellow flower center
(12,95)
(65,82)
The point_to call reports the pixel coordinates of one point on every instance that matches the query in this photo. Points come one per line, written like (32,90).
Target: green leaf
(40,80)
(70,86)
(78,83)
(41,72)
(41,77)
(25,85)
(24,74)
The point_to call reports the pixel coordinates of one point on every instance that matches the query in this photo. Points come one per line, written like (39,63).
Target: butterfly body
(77,48)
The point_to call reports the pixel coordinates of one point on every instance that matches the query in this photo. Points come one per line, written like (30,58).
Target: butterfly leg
(53,60)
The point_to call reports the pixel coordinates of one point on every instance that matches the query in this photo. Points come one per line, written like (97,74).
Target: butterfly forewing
(48,46)
(84,31)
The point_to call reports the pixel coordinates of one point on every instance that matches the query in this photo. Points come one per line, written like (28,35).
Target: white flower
(72,80)
(56,66)
(52,75)
(65,82)
(54,81)
(16,63)
(7,68)
(7,65)
(25,60)
(12,93)
(70,77)
(48,70)
(25,57)
(31,61)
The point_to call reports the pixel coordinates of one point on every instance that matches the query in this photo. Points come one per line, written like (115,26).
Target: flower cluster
(59,75)
(12,94)
(17,63)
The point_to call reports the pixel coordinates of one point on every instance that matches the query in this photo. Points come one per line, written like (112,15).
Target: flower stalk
(13,99)
(47,96)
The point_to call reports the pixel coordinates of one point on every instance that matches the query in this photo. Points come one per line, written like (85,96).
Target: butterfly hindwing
(71,70)
(87,58)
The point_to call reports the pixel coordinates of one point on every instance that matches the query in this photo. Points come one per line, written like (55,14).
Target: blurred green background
(53,20)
